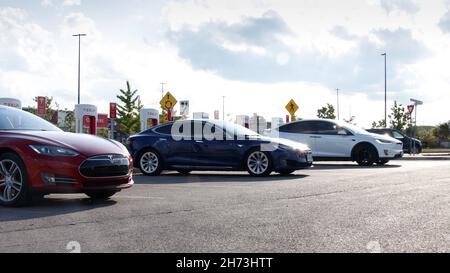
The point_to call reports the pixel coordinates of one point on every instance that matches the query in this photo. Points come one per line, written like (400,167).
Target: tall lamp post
(162,89)
(79,61)
(416,104)
(385,88)
(223,108)
(338,112)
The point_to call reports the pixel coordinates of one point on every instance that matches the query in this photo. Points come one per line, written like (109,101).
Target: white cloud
(408,6)
(38,59)
(53,3)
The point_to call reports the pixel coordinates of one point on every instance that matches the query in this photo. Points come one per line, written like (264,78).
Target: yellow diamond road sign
(292,107)
(168,102)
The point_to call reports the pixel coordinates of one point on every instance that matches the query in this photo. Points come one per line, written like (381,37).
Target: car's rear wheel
(366,156)
(101,194)
(184,172)
(415,150)
(150,163)
(286,172)
(13,181)
(258,163)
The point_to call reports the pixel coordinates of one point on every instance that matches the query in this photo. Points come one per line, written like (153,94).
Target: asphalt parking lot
(334,207)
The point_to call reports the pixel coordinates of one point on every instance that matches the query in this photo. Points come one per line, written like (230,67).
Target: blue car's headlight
(285,147)
(53,150)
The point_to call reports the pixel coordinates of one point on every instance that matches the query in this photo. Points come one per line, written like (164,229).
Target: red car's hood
(87,145)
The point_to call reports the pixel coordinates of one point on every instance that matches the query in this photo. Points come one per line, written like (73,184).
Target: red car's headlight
(53,151)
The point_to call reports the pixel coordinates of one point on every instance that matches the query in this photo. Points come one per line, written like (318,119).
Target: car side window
(165,130)
(326,128)
(305,127)
(397,135)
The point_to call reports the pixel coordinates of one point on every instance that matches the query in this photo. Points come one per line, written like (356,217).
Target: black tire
(382,162)
(366,155)
(286,172)
(415,150)
(22,196)
(101,194)
(265,168)
(184,172)
(147,156)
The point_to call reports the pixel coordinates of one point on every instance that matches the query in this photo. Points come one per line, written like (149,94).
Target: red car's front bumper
(62,175)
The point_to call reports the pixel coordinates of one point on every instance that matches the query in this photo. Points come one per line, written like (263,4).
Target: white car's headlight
(383,141)
(53,150)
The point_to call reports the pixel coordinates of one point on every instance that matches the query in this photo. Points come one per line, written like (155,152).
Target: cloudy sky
(257,53)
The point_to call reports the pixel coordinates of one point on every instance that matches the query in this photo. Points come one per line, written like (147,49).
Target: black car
(410,144)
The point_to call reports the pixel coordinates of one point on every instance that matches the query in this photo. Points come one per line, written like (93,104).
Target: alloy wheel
(258,163)
(11,180)
(149,162)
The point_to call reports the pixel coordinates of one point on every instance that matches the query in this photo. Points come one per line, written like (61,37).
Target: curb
(426,158)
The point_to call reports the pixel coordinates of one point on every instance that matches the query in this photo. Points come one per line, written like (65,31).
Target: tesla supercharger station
(149,118)
(243,121)
(11,102)
(86,119)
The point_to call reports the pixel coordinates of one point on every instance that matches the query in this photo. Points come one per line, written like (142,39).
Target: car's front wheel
(13,181)
(258,163)
(150,163)
(366,155)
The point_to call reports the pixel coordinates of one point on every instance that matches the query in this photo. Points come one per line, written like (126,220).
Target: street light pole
(223,108)
(79,62)
(338,112)
(385,88)
(416,104)
(162,89)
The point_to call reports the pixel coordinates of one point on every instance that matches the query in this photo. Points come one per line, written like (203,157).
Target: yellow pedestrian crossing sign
(292,107)
(168,101)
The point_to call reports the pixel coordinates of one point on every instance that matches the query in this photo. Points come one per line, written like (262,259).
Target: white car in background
(332,140)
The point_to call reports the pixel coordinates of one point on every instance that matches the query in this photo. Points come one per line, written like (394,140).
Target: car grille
(105,166)
(106,183)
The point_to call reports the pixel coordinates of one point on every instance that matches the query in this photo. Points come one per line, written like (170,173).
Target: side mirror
(342,132)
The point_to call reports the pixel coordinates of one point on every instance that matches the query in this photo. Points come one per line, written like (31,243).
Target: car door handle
(315,136)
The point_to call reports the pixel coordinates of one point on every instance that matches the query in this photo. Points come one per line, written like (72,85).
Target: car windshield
(17,120)
(353,128)
(235,129)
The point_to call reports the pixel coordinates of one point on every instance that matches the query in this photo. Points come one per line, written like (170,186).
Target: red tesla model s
(37,158)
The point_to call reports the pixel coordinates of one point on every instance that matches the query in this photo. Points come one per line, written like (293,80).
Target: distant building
(258,124)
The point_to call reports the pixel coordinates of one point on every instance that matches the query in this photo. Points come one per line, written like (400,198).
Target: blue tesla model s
(205,145)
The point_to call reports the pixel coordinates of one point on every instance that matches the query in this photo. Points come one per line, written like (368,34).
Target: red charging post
(41,106)
(112,116)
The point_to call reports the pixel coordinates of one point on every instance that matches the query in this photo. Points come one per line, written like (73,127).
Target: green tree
(399,117)
(69,121)
(326,112)
(103,132)
(351,120)
(379,124)
(128,110)
(442,131)
(51,107)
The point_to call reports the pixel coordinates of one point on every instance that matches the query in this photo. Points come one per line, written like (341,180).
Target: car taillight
(129,142)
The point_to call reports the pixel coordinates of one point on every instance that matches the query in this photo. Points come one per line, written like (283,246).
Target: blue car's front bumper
(291,160)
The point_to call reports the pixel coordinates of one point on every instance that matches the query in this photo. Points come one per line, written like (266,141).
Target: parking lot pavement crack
(98,221)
